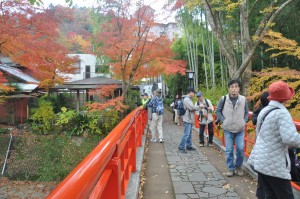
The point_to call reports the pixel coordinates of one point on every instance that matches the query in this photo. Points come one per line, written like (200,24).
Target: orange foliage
(285,46)
(261,81)
(28,36)
(136,52)
(2,86)
(106,91)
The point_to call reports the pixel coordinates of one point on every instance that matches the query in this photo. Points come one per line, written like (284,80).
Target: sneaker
(209,144)
(153,140)
(178,124)
(230,173)
(201,145)
(239,171)
(182,151)
(161,140)
(190,148)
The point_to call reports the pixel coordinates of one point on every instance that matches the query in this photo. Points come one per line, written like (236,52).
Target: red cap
(280,91)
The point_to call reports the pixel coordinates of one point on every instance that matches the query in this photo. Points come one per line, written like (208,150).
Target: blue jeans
(238,139)
(186,139)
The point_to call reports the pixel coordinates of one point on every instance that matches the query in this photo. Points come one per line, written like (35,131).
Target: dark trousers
(260,194)
(210,133)
(173,115)
(276,187)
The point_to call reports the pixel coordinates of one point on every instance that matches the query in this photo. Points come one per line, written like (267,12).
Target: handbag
(295,167)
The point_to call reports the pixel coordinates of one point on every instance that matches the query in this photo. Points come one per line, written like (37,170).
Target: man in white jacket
(275,134)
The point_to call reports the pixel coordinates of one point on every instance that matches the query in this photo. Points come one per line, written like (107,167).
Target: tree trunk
(246,45)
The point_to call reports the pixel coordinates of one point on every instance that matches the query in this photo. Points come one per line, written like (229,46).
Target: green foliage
(4,131)
(214,94)
(42,117)
(47,158)
(110,119)
(132,99)
(96,123)
(61,100)
(177,84)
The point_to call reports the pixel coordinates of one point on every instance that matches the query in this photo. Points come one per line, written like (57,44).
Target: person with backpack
(232,113)
(276,132)
(205,118)
(188,120)
(157,109)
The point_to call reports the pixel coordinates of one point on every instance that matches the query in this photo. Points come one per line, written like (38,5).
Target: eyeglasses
(234,86)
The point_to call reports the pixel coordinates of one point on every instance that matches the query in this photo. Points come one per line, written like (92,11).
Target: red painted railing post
(113,187)
(245,139)
(132,146)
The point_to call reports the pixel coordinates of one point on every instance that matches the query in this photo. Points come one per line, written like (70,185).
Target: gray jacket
(233,118)
(270,152)
(189,116)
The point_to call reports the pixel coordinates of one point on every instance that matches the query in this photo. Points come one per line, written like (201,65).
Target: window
(77,66)
(87,71)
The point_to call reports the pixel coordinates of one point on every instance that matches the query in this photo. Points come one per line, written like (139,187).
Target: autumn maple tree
(129,39)
(28,37)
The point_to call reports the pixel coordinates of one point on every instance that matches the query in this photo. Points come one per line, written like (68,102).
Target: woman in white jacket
(275,134)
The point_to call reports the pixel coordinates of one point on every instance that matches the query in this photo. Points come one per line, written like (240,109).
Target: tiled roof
(17,73)
(90,83)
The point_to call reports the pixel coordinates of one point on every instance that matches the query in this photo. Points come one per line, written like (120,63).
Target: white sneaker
(161,140)
(229,173)
(153,140)
(239,171)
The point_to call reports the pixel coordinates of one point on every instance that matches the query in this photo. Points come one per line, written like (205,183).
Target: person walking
(157,108)
(188,120)
(276,131)
(232,112)
(177,118)
(205,118)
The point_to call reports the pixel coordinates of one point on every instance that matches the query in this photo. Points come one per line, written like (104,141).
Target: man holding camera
(205,118)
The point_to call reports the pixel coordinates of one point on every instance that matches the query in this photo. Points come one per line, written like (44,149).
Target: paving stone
(183,187)
(214,190)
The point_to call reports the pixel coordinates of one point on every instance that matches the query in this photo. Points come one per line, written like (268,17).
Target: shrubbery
(70,122)
(47,158)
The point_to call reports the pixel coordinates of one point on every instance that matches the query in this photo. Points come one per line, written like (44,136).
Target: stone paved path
(193,176)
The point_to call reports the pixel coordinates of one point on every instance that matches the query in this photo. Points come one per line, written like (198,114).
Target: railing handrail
(81,182)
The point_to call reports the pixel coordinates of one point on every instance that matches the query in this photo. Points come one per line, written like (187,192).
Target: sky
(155,4)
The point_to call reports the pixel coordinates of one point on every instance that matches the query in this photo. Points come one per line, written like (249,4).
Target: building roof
(17,73)
(30,82)
(95,81)
(89,83)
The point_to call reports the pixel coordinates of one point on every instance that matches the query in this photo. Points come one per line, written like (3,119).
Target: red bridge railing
(106,171)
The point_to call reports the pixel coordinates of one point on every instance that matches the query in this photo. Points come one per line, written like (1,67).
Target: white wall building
(171,30)
(86,67)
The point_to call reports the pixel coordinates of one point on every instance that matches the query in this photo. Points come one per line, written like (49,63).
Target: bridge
(112,169)
(126,164)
